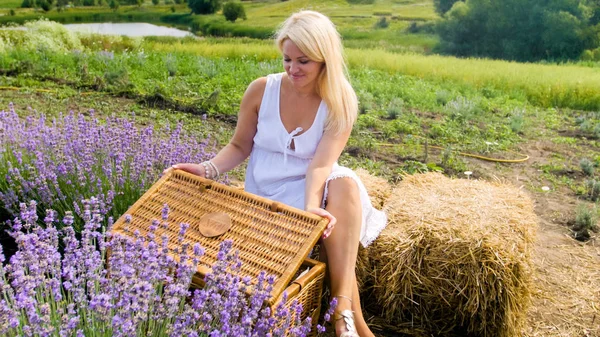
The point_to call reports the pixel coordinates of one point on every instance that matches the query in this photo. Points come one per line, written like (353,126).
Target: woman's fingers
(196,169)
(327,215)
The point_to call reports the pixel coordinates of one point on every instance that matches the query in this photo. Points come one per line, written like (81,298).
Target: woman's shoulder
(258,86)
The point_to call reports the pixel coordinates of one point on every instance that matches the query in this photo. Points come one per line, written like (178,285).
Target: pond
(129,29)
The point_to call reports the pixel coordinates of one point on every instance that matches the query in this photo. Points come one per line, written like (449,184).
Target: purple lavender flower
(72,158)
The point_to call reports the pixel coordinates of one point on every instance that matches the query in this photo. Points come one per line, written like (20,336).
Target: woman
(294,126)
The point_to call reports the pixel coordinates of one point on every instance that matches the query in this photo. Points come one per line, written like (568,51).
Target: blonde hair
(315,35)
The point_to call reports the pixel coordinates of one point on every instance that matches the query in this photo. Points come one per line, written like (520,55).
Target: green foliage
(442,6)
(517,120)
(89,2)
(204,6)
(114,4)
(421,28)
(593,189)
(395,108)
(521,30)
(28,4)
(232,10)
(155,2)
(11,12)
(586,219)
(587,166)
(381,23)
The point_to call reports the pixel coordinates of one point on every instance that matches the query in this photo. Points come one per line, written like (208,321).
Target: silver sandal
(348,317)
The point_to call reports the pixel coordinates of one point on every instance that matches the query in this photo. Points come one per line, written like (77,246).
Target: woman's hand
(196,169)
(325,214)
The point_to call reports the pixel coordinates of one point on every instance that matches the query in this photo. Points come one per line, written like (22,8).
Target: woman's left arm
(328,151)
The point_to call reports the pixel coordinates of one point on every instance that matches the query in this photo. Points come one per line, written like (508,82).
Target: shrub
(421,27)
(382,23)
(71,158)
(28,4)
(366,101)
(442,6)
(517,120)
(232,10)
(155,2)
(114,5)
(586,219)
(442,97)
(142,292)
(587,166)
(462,110)
(395,108)
(593,189)
(204,6)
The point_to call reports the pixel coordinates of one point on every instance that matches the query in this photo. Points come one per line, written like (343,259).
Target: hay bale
(378,188)
(456,256)
(379,191)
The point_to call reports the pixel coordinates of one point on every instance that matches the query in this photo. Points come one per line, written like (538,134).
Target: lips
(297,77)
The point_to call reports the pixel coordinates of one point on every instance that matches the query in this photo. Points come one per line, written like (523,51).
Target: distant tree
(61,4)
(89,2)
(28,4)
(114,5)
(155,2)
(46,5)
(232,10)
(139,3)
(520,30)
(442,6)
(179,2)
(12,12)
(204,6)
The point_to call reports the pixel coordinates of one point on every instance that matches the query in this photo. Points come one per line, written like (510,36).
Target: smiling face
(300,69)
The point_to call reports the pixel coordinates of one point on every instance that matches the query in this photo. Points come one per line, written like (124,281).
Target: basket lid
(269,235)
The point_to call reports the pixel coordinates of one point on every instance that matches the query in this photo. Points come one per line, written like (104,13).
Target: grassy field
(355,22)
(10,3)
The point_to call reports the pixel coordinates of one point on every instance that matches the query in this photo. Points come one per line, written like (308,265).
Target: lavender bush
(143,291)
(71,158)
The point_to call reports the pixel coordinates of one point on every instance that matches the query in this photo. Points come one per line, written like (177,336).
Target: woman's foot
(344,319)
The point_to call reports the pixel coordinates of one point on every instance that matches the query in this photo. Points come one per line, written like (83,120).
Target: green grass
(10,3)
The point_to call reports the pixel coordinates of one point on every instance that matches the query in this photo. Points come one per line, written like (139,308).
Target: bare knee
(343,192)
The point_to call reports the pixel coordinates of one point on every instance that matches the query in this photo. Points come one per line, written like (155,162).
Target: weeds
(592,189)
(586,219)
(587,166)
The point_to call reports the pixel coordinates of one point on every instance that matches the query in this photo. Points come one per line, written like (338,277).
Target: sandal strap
(346,297)
(348,317)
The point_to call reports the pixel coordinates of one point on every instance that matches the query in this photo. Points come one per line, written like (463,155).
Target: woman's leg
(343,202)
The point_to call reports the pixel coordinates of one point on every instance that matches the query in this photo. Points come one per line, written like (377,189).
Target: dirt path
(566,296)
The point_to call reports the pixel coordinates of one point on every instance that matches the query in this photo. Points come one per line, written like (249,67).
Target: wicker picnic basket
(269,236)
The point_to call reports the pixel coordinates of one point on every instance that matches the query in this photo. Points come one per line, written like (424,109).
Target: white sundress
(277,172)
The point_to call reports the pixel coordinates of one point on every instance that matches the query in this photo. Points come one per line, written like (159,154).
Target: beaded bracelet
(210,170)
(207,170)
(218,174)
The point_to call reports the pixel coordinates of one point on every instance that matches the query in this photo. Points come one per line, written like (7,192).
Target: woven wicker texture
(307,290)
(270,236)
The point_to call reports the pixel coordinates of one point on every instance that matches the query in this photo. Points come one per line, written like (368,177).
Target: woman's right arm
(240,145)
